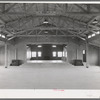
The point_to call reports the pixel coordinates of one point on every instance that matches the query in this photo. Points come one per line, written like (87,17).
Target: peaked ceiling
(28,19)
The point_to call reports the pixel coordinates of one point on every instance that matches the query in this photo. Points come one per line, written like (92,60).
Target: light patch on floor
(49,76)
(45,61)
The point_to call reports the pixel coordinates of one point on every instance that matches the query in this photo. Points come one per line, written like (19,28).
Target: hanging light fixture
(45,31)
(95,21)
(39,46)
(45,21)
(98,32)
(54,46)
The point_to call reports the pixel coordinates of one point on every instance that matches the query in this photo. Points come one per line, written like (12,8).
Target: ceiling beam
(92,19)
(9,8)
(71,13)
(95,44)
(2,39)
(79,6)
(94,38)
(49,15)
(88,8)
(45,35)
(3,8)
(97,6)
(30,7)
(53,28)
(24,7)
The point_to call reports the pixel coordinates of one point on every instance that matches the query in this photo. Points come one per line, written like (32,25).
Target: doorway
(45,51)
(84,55)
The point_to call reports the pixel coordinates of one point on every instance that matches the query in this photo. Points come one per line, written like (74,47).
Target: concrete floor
(49,76)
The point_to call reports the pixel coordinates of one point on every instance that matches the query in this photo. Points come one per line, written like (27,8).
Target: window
(39,54)
(54,46)
(83,51)
(54,54)
(39,46)
(33,54)
(28,54)
(59,54)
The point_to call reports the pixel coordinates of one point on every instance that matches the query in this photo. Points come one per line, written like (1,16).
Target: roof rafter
(81,7)
(45,35)
(49,15)
(94,38)
(3,7)
(8,9)
(61,13)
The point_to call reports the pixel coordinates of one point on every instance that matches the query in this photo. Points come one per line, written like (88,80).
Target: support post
(87,45)
(99,57)
(77,51)
(65,52)
(6,60)
(37,54)
(31,52)
(15,53)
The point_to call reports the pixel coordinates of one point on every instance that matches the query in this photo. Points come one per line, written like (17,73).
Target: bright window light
(3,36)
(33,54)
(39,54)
(54,46)
(0,35)
(89,36)
(28,54)
(54,54)
(93,34)
(59,54)
(98,32)
(83,51)
(39,46)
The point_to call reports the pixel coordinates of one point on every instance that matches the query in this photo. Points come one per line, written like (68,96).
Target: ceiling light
(54,46)
(95,21)
(46,32)
(3,36)
(93,34)
(45,21)
(98,32)
(39,46)
(89,36)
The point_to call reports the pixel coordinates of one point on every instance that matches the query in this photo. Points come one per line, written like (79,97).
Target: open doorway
(84,55)
(45,52)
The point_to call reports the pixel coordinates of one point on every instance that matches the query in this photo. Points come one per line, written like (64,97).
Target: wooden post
(77,51)
(15,53)
(6,60)
(65,52)
(99,57)
(87,65)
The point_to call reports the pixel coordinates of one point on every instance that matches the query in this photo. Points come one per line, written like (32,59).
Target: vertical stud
(87,66)
(6,55)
